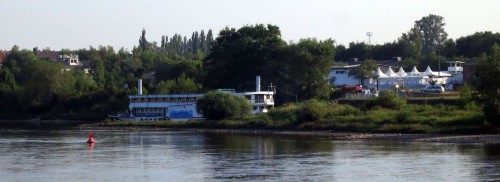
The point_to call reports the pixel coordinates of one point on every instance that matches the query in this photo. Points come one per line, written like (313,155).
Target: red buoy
(91,140)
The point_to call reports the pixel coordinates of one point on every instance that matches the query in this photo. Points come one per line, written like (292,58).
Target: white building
(341,75)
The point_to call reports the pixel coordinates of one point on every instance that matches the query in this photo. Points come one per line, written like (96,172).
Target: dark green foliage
(468,97)
(304,69)
(181,85)
(313,110)
(237,56)
(488,87)
(143,43)
(300,69)
(365,70)
(218,105)
(386,99)
(36,86)
(431,29)
(169,70)
(336,94)
(358,50)
(476,44)
(193,48)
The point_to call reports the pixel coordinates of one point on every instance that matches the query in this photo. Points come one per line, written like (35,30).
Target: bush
(219,105)
(313,110)
(387,100)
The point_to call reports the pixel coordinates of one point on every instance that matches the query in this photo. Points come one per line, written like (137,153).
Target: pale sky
(76,24)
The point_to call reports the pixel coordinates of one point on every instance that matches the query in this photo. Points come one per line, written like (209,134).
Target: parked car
(433,88)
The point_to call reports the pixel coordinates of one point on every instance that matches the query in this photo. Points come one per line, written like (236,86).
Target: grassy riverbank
(384,114)
(317,115)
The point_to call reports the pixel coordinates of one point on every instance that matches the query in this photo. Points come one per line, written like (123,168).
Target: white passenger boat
(183,106)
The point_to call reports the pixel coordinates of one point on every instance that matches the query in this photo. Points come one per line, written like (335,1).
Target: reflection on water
(189,156)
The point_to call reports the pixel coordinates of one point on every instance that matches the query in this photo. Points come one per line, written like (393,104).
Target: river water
(191,156)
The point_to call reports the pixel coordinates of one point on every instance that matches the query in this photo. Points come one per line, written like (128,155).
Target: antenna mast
(369,34)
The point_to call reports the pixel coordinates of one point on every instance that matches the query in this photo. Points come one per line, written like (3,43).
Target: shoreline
(401,137)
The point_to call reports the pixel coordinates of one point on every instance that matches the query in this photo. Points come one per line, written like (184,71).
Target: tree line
(37,86)
(423,45)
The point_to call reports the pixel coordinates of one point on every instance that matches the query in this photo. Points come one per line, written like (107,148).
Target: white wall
(342,77)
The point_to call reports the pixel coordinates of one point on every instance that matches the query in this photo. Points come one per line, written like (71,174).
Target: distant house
(51,55)
(72,61)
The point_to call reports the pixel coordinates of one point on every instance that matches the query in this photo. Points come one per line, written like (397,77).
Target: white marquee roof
(402,72)
(391,73)
(414,71)
(379,73)
(429,72)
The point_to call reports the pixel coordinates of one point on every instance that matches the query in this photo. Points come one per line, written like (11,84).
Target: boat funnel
(257,83)
(139,87)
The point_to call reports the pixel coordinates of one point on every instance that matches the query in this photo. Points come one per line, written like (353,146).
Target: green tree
(431,29)
(468,97)
(364,71)
(386,99)
(237,56)
(9,91)
(7,80)
(476,44)
(359,50)
(143,42)
(210,39)
(411,43)
(203,42)
(219,105)
(84,83)
(43,82)
(488,87)
(181,85)
(304,68)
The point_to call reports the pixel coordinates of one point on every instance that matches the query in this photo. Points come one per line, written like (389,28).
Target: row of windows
(149,109)
(340,72)
(190,99)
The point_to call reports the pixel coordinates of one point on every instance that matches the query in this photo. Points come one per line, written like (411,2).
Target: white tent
(429,72)
(414,71)
(391,73)
(402,72)
(379,73)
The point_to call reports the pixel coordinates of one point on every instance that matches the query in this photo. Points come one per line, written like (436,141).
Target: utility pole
(369,34)
(272,88)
